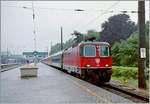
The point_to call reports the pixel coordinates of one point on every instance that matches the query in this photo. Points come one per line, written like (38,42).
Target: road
(52,87)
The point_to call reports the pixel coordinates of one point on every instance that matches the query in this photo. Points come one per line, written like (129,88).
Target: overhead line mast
(34,31)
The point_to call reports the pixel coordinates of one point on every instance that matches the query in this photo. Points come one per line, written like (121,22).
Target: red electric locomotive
(87,59)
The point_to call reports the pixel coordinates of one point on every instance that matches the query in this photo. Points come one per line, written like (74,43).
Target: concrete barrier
(29,70)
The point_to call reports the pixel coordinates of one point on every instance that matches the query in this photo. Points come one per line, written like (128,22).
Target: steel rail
(134,94)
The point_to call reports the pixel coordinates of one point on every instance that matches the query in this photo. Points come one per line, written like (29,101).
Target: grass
(130,82)
(127,75)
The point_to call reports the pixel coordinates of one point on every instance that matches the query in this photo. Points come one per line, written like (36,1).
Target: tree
(56,48)
(118,27)
(68,43)
(126,52)
(91,31)
(78,38)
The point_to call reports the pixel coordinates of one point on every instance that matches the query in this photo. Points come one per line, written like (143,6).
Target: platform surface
(52,87)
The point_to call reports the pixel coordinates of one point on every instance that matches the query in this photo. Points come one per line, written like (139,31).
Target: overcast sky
(17,23)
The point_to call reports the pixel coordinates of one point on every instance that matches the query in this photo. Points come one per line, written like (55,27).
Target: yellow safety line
(101,98)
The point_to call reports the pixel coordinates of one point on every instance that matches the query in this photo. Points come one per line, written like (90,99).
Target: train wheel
(78,75)
(104,76)
(83,74)
(95,78)
(108,78)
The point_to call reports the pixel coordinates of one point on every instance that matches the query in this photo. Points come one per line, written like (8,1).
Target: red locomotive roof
(101,43)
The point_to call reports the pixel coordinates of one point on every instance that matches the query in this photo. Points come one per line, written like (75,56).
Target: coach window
(104,51)
(89,50)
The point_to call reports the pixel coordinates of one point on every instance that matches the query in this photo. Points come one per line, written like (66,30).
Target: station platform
(52,86)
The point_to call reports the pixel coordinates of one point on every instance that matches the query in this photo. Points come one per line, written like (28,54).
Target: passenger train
(85,60)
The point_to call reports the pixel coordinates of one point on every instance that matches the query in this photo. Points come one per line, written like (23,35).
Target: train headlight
(106,65)
(88,65)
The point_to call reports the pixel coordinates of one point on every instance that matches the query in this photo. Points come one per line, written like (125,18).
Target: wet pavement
(51,86)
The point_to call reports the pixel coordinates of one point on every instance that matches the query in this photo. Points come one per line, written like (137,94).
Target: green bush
(127,72)
(126,52)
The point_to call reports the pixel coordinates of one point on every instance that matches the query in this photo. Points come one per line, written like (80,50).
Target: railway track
(123,91)
(10,67)
(126,92)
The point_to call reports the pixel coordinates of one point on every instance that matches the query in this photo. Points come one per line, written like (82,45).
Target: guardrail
(7,65)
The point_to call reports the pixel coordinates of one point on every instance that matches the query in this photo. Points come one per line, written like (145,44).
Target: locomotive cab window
(81,50)
(104,51)
(89,50)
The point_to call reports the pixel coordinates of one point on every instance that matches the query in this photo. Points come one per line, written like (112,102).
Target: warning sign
(143,52)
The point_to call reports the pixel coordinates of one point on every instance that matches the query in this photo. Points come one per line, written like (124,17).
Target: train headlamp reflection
(88,65)
(106,65)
